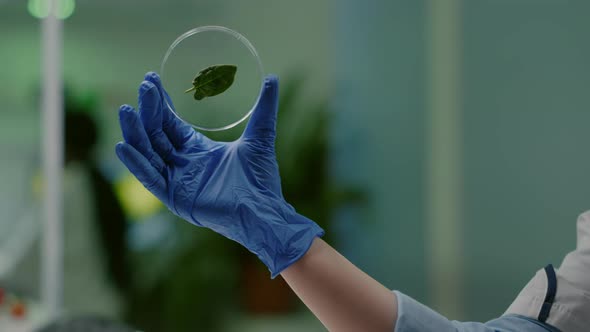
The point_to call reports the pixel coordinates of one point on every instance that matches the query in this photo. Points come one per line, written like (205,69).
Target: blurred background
(441,144)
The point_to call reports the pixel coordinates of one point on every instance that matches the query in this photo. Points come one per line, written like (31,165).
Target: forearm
(343,297)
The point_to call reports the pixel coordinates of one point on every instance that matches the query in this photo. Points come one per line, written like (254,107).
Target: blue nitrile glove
(232,188)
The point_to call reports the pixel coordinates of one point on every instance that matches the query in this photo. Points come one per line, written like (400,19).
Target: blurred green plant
(304,157)
(197,288)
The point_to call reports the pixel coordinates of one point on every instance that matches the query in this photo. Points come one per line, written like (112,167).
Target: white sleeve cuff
(413,316)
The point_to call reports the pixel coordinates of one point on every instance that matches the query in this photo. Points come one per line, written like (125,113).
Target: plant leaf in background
(304,156)
(213,80)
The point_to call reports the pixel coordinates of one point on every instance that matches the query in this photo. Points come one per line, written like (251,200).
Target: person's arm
(342,297)
(345,299)
(234,189)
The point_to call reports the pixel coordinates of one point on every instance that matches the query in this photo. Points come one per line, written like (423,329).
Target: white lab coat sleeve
(413,316)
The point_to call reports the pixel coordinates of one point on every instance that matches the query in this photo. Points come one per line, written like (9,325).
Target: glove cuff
(295,236)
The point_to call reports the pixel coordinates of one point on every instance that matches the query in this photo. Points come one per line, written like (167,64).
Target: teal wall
(526,75)
(378,138)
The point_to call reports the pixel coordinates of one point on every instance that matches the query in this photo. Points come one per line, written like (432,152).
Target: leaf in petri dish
(213,80)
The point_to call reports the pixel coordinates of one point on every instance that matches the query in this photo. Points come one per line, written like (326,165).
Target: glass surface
(198,49)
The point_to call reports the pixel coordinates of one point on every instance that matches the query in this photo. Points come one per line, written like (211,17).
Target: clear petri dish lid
(191,54)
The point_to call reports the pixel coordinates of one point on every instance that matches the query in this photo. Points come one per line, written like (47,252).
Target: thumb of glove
(262,124)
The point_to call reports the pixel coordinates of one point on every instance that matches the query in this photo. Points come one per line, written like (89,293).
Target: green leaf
(213,80)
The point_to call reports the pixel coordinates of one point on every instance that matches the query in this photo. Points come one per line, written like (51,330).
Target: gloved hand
(233,188)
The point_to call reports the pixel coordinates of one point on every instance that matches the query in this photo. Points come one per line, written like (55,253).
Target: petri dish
(200,48)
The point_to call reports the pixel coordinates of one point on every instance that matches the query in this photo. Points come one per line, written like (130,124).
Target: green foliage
(197,287)
(304,159)
(212,81)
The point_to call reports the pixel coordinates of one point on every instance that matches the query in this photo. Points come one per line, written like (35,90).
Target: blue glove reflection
(232,188)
